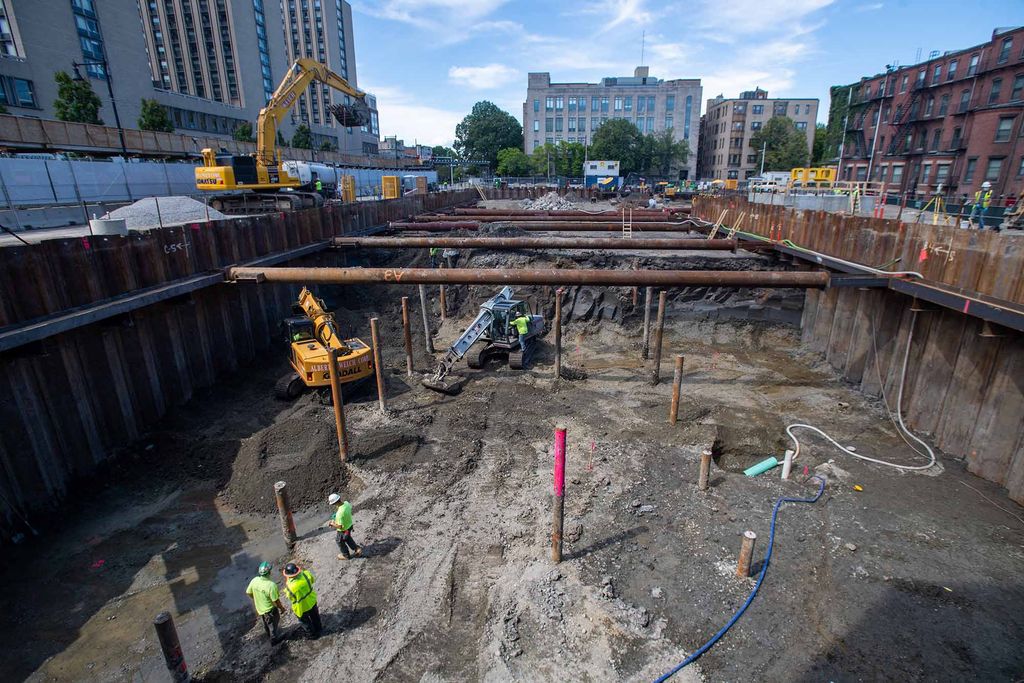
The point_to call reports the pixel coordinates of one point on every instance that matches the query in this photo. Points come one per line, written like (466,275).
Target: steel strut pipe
(551,226)
(508,243)
(529,276)
(476,211)
(533,218)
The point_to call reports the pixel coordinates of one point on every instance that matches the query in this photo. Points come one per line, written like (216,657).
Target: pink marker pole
(559,506)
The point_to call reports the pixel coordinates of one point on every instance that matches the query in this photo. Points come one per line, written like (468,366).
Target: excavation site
(581,441)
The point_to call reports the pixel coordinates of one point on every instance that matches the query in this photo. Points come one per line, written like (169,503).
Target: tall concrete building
(955,120)
(212,63)
(572,112)
(728,124)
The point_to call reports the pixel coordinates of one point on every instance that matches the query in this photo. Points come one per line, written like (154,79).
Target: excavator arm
(300,75)
(325,327)
(458,349)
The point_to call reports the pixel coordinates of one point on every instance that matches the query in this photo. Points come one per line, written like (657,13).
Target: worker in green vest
(319,186)
(982,200)
(267,601)
(342,523)
(522,326)
(298,586)
(435,255)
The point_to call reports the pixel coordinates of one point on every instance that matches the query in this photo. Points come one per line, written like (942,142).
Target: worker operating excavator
(521,325)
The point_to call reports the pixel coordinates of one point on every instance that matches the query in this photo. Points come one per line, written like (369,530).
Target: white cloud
(869,7)
(450,21)
(726,21)
(486,77)
(412,122)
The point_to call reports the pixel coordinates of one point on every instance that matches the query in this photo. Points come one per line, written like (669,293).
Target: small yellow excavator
(312,332)
(265,185)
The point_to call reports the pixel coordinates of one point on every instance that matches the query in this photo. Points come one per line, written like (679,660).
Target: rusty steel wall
(964,386)
(68,401)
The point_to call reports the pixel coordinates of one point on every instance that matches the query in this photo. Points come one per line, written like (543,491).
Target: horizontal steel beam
(471,211)
(506,243)
(551,226)
(526,276)
(542,218)
(1005,313)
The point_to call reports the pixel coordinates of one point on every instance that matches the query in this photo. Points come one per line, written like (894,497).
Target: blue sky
(428,61)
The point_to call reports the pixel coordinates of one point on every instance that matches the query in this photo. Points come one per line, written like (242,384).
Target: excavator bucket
(352,115)
(450,385)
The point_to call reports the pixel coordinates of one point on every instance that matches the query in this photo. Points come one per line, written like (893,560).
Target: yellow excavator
(264,184)
(312,332)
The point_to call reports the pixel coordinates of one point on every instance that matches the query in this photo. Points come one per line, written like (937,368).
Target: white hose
(899,418)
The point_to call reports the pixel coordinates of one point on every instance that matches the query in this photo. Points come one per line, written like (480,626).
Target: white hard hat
(334,499)
(986,184)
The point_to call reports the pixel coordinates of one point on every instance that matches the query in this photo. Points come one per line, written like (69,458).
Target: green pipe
(761,467)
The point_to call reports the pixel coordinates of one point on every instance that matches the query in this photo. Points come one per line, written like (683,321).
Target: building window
(1004,128)
(536,105)
(972,67)
(686,116)
(668,122)
(641,105)
(993,169)
(549,104)
(572,104)
(1020,168)
(24,93)
(595,104)
(944,104)
(559,122)
(951,74)
(627,103)
(929,106)
(954,142)
(737,125)
(583,104)
(997,88)
(972,164)
(549,125)
(903,82)
(1018,88)
(756,125)
(1004,51)
(572,124)
(965,101)
(801,125)
(936,139)
(739,108)
(897,174)
(559,103)
(536,125)
(937,74)
(757,109)
(670,102)
(618,104)
(604,104)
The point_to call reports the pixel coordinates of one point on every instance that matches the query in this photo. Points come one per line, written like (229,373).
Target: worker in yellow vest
(298,586)
(982,200)
(435,256)
(522,326)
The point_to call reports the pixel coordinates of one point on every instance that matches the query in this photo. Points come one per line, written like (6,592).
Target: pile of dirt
(549,202)
(300,448)
(153,212)
(500,229)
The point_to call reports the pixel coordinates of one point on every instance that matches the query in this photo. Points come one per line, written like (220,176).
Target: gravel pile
(143,214)
(549,202)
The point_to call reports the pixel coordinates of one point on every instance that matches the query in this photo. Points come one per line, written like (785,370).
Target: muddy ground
(914,577)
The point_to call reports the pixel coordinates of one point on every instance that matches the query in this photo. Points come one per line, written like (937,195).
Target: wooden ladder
(627,227)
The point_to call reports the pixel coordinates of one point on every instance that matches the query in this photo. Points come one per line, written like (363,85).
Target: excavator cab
(298,328)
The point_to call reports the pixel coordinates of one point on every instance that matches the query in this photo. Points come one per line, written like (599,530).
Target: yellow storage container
(348,188)
(391,188)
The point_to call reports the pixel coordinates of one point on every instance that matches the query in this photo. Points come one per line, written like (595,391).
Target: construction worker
(435,255)
(522,326)
(298,586)
(318,186)
(982,199)
(267,601)
(342,523)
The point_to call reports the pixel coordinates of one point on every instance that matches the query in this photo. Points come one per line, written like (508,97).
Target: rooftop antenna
(643,44)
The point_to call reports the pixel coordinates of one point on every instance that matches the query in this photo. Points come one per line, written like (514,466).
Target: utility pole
(110,92)
(842,139)
(878,123)
(764,149)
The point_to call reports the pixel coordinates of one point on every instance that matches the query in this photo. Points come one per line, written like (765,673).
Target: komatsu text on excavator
(312,332)
(252,183)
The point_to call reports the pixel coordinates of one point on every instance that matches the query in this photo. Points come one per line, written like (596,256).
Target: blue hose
(750,598)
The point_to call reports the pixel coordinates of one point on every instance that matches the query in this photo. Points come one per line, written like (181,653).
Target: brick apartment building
(954,120)
(728,124)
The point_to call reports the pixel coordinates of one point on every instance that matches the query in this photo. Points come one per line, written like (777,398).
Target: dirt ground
(915,577)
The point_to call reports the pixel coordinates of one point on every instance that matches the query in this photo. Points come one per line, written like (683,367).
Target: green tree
(786,146)
(302,139)
(819,154)
(328,146)
(666,154)
(619,140)
(153,116)
(243,132)
(486,130)
(76,100)
(839,107)
(512,161)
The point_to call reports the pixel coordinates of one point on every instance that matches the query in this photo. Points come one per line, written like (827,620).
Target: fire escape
(904,118)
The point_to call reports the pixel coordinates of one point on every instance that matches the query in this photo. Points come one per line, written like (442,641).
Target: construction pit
(889,575)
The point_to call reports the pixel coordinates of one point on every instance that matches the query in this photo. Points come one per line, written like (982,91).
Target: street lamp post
(110,92)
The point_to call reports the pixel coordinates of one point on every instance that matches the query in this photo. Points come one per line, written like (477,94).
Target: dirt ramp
(300,449)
